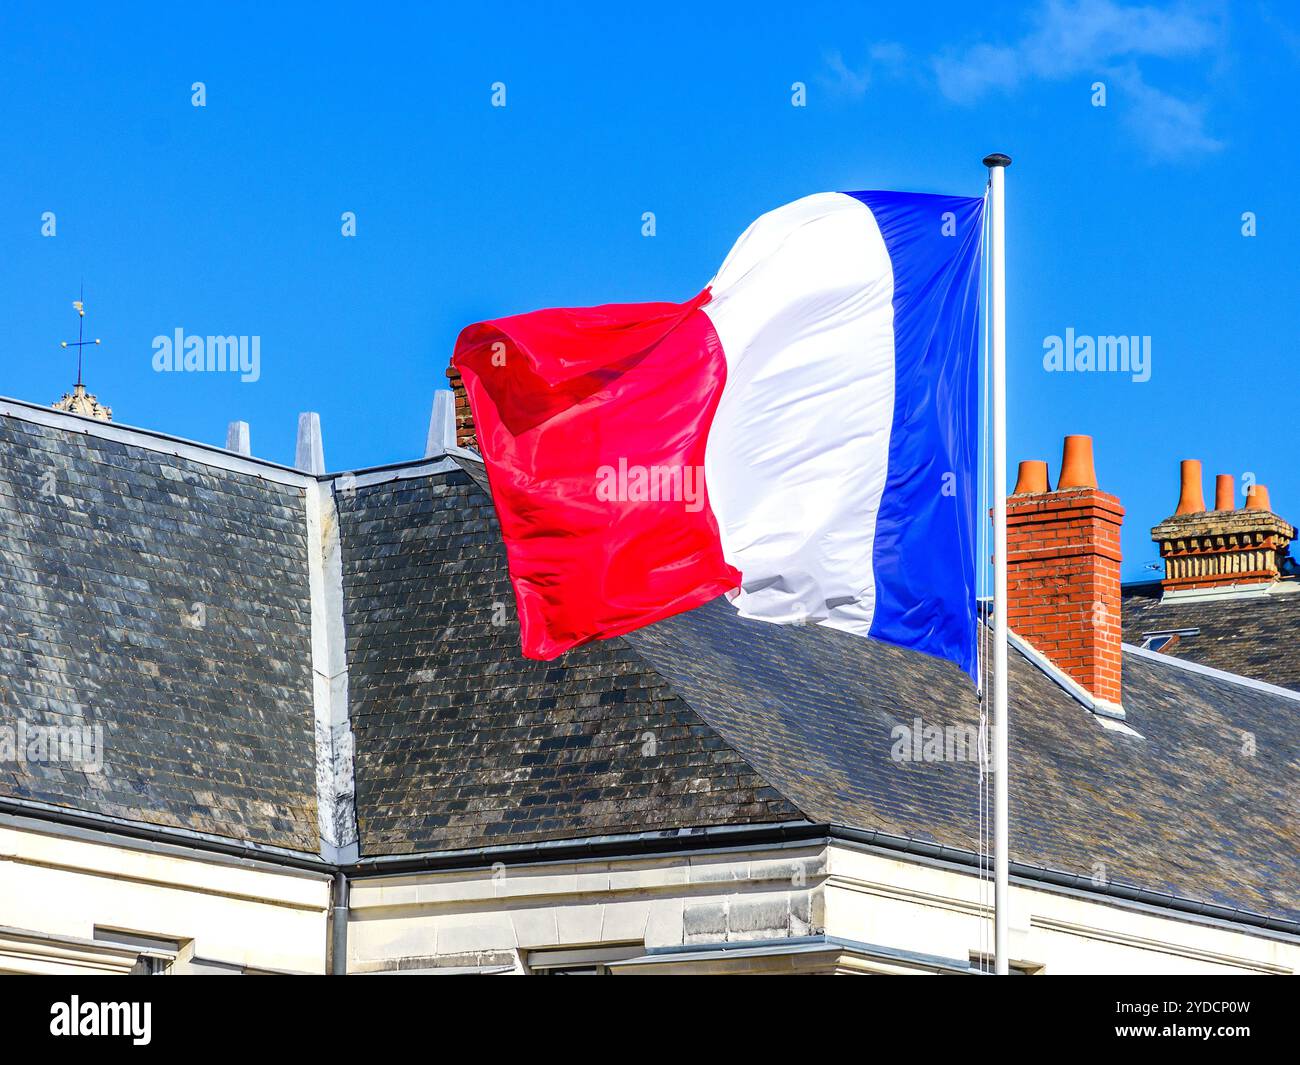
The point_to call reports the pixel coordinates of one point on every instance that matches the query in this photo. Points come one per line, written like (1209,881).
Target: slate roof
(550,750)
(1184,810)
(461,742)
(704,719)
(1253,635)
(166,601)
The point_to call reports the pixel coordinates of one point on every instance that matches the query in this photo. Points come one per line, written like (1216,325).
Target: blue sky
(225,219)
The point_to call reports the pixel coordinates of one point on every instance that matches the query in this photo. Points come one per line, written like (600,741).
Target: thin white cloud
(884,57)
(845,79)
(1106,39)
(1169,127)
(1285,32)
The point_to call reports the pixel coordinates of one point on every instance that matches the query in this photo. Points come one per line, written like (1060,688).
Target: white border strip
(1210,671)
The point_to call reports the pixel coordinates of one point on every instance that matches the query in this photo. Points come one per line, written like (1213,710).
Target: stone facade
(79,401)
(821,908)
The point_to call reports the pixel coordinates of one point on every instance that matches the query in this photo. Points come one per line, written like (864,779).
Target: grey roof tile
(461,742)
(702,719)
(1202,806)
(104,550)
(1255,636)
(1182,810)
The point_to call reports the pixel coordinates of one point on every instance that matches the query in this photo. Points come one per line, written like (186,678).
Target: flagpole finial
(997,159)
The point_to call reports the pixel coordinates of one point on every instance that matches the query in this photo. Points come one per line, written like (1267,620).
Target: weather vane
(78,401)
(81,341)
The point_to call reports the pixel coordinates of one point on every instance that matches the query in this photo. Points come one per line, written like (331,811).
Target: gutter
(627,845)
(160,836)
(643,844)
(651,843)
(1036,875)
(152,440)
(220,457)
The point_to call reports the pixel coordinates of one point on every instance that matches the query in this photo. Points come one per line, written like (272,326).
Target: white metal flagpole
(997,165)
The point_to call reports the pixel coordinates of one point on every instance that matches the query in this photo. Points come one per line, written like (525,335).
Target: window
(1165,639)
(156,954)
(984,963)
(590,961)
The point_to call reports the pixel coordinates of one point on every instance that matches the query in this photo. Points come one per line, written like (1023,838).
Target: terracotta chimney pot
(1191,500)
(1257,498)
(1224,492)
(1076,464)
(1223,549)
(1032,478)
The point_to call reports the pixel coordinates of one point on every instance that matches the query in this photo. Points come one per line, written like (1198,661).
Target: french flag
(800,436)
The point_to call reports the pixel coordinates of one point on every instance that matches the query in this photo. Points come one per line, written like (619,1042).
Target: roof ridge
(151,440)
(199,450)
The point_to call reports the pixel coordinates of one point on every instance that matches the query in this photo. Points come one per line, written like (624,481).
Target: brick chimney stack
(1214,551)
(465,436)
(1063,561)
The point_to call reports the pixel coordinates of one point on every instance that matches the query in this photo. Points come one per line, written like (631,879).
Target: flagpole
(997,165)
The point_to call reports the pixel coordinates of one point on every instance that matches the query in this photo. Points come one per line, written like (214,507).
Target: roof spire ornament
(79,401)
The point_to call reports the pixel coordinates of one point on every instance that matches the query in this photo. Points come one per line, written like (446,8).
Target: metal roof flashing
(222,458)
(1210,671)
(1112,712)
